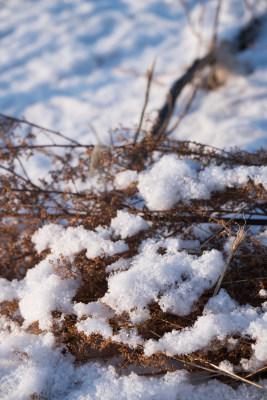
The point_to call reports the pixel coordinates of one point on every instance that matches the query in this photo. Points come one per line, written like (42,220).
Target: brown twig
(237,377)
(166,111)
(43,146)
(24,121)
(216,24)
(186,107)
(149,79)
(256,372)
(189,19)
(240,237)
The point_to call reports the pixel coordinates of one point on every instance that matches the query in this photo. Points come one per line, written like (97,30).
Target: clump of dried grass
(26,205)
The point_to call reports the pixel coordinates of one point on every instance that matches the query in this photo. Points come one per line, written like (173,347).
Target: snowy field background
(65,64)
(68,64)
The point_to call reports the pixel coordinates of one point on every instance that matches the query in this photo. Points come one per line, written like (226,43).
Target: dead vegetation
(27,205)
(63,197)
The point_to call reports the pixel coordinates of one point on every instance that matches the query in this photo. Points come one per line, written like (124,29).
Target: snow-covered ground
(68,64)
(65,64)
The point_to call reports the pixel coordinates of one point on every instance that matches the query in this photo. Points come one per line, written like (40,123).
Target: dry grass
(26,205)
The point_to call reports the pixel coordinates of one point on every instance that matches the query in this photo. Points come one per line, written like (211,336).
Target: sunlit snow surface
(66,64)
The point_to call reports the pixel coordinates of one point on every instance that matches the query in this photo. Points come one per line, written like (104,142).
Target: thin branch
(237,377)
(189,19)
(137,74)
(29,182)
(215,25)
(23,168)
(40,146)
(166,111)
(149,79)
(165,123)
(52,192)
(222,229)
(240,237)
(26,215)
(255,372)
(186,108)
(262,278)
(24,121)
(42,206)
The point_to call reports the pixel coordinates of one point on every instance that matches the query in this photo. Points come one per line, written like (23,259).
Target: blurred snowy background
(67,64)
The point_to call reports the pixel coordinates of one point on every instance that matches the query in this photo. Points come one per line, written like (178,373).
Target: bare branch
(176,89)
(186,107)
(23,121)
(215,25)
(149,79)
(240,237)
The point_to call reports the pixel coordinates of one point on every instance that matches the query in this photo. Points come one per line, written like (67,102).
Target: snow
(229,244)
(46,370)
(125,224)
(174,280)
(263,293)
(94,325)
(95,308)
(70,63)
(221,317)
(172,179)
(72,240)
(262,238)
(42,290)
(124,178)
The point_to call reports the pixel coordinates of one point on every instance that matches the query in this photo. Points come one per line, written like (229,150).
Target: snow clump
(175,280)
(126,225)
(42,290)
(172,179)
(222,316)
(125,178)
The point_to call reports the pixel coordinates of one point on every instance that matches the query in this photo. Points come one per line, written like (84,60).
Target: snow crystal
(226,366)
(42,291)
(126,225)
(95,325)
(44,369)
(201,231)
(125,178)
(72,240)
(262,238)
(257,329)
(95,309)
(8,290)
(174,280)
(172,179)
(99,325)
(263,293)
(131,337)
(168,181)
(118,265)
(139,315)
(228,244)
(221,317)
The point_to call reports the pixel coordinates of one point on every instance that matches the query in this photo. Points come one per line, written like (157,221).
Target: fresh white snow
(67,64)
(172,179)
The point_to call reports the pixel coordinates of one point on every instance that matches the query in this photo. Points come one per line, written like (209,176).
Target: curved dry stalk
(149,80)
(240,237)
